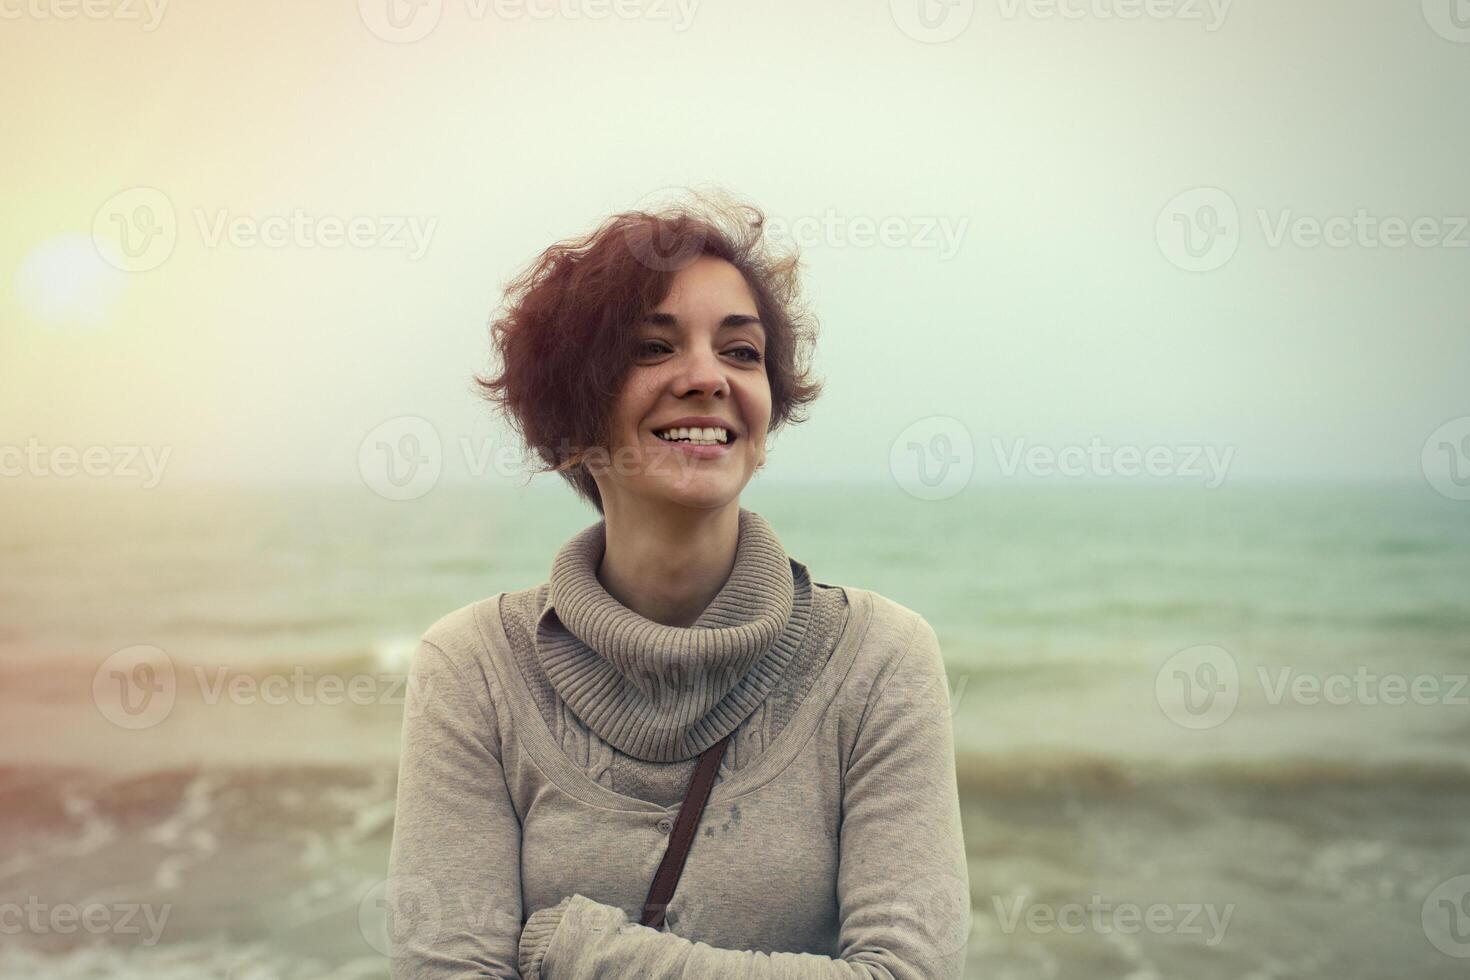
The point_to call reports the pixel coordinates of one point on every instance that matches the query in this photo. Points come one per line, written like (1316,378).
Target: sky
(262,241)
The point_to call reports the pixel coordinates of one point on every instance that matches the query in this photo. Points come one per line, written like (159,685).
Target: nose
(701,372)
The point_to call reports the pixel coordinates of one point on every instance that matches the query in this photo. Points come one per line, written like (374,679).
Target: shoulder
(462,655)
(892,639)
(471,637)
(889,628)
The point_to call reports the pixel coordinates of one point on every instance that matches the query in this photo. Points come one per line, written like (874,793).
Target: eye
(644,347)
(751,354)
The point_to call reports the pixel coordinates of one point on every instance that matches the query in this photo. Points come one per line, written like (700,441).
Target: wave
(37,676)
(222,626)
(1046,771)
(39,793)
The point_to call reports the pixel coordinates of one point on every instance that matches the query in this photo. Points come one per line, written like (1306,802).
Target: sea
(1200,733)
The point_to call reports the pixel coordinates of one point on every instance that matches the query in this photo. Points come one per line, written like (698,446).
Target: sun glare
(64,282)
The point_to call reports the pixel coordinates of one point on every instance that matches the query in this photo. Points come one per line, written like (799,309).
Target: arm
(903,887)
(454,888)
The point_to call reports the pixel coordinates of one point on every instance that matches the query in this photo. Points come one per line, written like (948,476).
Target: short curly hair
(566,333)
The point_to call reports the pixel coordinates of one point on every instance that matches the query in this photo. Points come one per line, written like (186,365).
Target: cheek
(633,405)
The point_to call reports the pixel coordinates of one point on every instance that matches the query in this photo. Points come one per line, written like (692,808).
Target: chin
(703,495)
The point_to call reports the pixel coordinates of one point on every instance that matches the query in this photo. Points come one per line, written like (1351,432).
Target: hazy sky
(992,222)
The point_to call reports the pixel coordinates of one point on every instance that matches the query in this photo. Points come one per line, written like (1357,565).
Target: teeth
(712,436)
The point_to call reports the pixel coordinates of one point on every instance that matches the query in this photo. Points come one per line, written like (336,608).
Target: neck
(668,565)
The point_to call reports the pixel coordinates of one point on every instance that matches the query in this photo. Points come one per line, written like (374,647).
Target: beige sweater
(549,735)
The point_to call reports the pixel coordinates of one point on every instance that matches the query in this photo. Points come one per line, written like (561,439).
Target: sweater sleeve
(453,901)
(903,886)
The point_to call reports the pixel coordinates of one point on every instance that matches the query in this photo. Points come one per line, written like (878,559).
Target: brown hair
(566,333)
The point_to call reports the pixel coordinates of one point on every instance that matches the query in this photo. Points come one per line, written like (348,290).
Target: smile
(713,436)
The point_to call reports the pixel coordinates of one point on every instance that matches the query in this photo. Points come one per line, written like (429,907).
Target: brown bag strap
(669,869)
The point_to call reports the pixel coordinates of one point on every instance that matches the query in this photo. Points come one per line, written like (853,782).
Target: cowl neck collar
(666,693)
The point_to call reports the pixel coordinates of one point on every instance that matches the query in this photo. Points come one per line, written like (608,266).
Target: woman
(550,733)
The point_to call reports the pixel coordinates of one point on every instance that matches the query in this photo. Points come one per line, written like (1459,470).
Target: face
(700,354)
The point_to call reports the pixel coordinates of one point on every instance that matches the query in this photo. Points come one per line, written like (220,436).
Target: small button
(664,825)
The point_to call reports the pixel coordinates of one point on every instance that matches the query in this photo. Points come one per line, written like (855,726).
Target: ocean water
(1199,733)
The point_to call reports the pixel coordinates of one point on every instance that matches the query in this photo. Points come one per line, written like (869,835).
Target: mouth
(707,436)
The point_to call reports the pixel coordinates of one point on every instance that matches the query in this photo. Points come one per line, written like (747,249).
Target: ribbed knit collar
(666,693)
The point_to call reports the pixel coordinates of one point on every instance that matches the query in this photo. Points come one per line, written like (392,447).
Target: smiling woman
(646,298)
(681,703)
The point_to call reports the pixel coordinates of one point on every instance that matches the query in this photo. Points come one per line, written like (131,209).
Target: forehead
(709,282)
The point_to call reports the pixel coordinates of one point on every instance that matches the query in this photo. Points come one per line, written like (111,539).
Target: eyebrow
(731,320)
